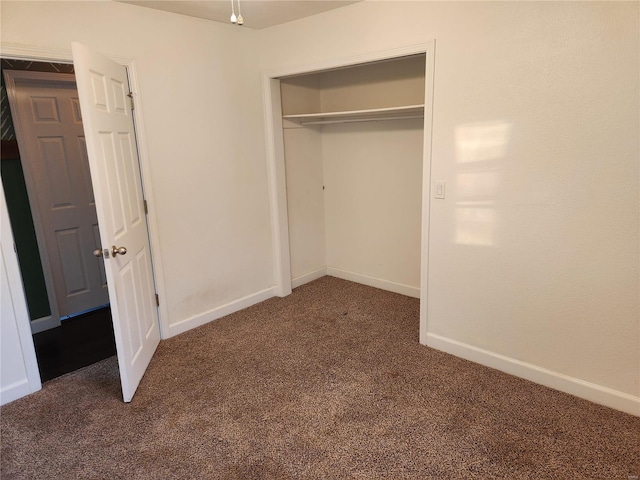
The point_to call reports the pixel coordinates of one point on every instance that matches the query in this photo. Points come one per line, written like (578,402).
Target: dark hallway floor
(78,342)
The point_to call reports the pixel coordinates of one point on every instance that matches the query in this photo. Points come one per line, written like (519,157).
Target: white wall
(534,257)
(200,94)
(535,122)
(304,180)
(373,178)
(305,203)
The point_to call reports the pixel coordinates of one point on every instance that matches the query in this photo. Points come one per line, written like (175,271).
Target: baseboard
(564,383)
(308,277)
(15,391)
(218,312)
(375,282)
(44,323)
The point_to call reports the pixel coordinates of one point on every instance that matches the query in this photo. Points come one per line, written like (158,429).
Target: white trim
(375,282)
(147,188)
(221,311)
(416,49)
(275,164)
(308,277)
(17,51)
(18,300)
(429,79)
(277,185)
(15,391)
(44,323)
(558,381)
(25,52)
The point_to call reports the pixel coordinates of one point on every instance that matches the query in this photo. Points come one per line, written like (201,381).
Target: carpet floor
(327,383)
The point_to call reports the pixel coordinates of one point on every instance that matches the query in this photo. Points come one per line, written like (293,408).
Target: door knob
(118,250)
(97,252)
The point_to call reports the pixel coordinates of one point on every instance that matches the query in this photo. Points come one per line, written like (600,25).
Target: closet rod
(354,120)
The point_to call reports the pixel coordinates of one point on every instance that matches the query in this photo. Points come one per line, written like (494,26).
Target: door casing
(276,162)
(54,82)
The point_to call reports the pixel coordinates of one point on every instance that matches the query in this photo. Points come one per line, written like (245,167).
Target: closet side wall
(305,202)
(304,177)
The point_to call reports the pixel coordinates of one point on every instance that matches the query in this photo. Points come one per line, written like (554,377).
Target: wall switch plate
(440,189)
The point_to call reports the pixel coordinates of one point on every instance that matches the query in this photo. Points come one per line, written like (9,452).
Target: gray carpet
(329,382)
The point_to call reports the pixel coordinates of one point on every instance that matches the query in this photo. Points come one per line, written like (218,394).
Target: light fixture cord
(233,18)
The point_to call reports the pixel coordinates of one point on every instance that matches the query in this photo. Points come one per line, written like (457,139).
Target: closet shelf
(369,115)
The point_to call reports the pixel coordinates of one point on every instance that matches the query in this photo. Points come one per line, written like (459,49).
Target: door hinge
(146,207)
(157,300)
(130,95)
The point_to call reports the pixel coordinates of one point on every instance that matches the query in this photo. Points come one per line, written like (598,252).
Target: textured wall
(200,98)
(534,253)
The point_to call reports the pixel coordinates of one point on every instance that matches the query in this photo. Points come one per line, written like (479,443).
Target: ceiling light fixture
(236,20)
(240,19)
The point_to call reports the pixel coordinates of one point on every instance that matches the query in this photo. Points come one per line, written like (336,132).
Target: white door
(54,159)
(113,159)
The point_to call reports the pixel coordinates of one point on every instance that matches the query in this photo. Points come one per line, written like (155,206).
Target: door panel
(75,279)
(53,154)
(115,174)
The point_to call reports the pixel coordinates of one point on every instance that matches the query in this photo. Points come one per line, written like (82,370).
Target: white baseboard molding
(400,288)
(308,277)
(589,391)
(218,312)
(15,391)
(44,323)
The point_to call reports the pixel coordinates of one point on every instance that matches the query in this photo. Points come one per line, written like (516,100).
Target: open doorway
(69,332)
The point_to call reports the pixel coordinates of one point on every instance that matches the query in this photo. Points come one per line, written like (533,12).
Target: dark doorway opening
(80,340)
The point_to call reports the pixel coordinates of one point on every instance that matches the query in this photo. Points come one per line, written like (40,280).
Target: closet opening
(350,166)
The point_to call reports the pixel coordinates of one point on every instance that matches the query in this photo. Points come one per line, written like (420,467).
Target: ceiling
(257,14)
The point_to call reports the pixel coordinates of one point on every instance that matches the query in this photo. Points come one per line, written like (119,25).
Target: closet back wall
(373,177)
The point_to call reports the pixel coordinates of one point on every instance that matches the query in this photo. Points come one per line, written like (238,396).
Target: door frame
(18,303)
(13,51)
(276,162)
(45,79)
